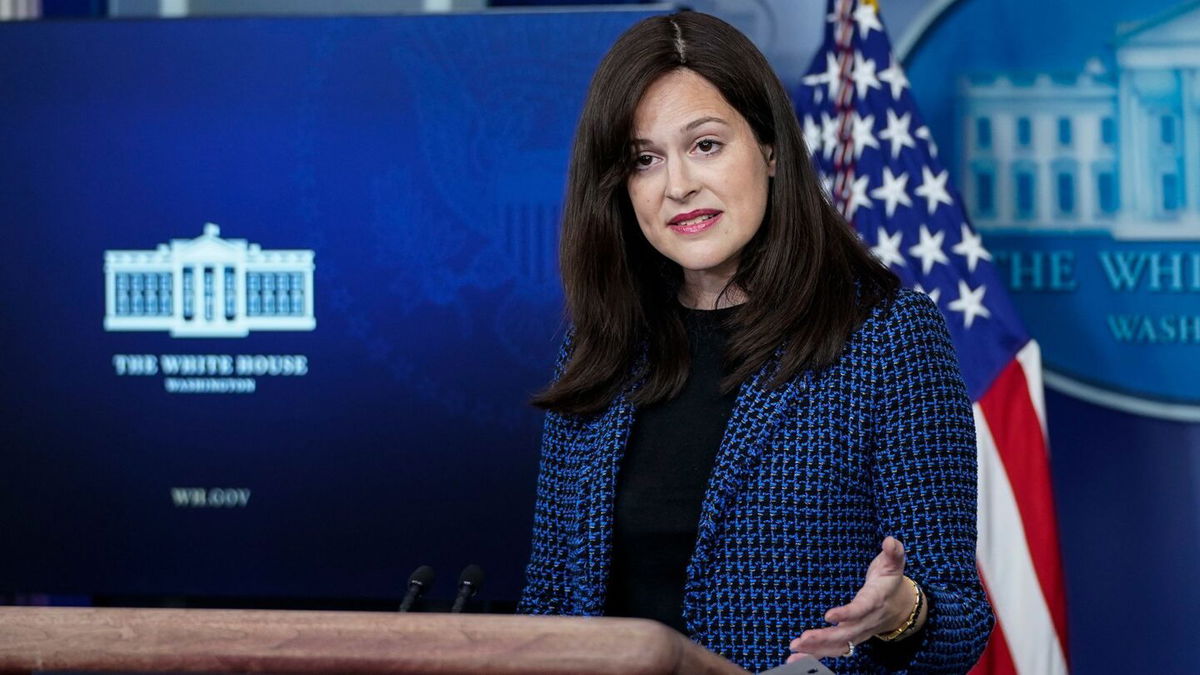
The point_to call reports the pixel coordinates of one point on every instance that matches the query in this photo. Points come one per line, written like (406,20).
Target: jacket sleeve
(924,482)
(545,589)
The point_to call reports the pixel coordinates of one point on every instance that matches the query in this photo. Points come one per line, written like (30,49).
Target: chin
(701,262)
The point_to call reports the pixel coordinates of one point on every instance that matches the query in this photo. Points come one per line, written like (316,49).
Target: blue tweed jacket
(808,480)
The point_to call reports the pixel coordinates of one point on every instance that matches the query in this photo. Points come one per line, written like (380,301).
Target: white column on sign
(198,293)
(219,293)
(308,291)
(110,289)
(177,293)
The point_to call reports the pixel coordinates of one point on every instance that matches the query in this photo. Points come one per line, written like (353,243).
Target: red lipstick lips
(696,221)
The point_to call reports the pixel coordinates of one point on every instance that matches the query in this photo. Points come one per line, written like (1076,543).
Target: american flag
(880,164)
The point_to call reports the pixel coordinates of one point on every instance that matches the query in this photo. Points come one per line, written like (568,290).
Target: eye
(708,146)
(643,161)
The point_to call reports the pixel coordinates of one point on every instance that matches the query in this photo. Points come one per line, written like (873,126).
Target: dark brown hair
(808,279)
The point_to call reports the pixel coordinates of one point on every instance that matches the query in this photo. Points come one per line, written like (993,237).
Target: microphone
(468,585)
(418,582)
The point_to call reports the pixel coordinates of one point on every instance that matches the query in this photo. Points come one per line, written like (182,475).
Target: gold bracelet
(890,636)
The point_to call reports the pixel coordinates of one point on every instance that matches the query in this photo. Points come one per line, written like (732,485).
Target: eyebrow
(700,121)
(703,120)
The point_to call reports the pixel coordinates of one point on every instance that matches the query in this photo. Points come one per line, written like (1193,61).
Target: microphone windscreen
(423,575)
(471,574)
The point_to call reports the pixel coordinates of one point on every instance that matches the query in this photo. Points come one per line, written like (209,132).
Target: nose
(681,184)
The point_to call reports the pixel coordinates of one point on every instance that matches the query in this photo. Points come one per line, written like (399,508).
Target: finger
(828,641)
(893,548)
(889,561)
(797,656)
(828,649)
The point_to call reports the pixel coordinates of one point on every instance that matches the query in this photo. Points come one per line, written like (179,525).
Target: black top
(662,480)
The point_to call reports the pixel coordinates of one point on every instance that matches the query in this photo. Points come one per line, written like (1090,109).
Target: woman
(752,435)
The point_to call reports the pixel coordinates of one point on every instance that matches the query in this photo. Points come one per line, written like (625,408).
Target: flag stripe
(1030,357)
(1007,566)
(997,657)
(1019,440)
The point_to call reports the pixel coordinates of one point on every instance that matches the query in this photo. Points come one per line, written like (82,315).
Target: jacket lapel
(598,478)
(757,412)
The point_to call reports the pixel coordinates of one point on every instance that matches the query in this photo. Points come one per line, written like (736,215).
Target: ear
(769,155)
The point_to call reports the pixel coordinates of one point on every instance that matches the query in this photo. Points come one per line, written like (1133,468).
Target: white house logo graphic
(209,287)
(1103,150)
(1087,186)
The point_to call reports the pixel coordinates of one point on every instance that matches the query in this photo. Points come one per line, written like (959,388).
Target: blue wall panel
(421,160)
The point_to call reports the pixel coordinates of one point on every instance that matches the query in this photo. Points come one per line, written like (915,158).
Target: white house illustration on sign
(1118,151)
(209,287)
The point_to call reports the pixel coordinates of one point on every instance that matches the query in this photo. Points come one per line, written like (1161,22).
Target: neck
(707,290)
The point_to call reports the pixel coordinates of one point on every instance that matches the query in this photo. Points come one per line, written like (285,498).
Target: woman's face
(699,183)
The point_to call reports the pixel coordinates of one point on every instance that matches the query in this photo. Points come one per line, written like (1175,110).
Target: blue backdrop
(421,160)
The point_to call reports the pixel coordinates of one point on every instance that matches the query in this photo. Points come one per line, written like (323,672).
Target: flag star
(861,134)
(863,75)
(812,135)
(929,249)
(934,295)
(923,134)
(830,77)
(933,188)
(894,76)
(893,191)
(829,135)
(867,19)
(887,248)
(897,132)
(970,303)
(858,196)
(971,247)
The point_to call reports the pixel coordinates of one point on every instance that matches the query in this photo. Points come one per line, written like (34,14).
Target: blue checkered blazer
(808,480)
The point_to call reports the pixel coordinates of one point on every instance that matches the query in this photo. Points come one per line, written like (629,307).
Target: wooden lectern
(261,641)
